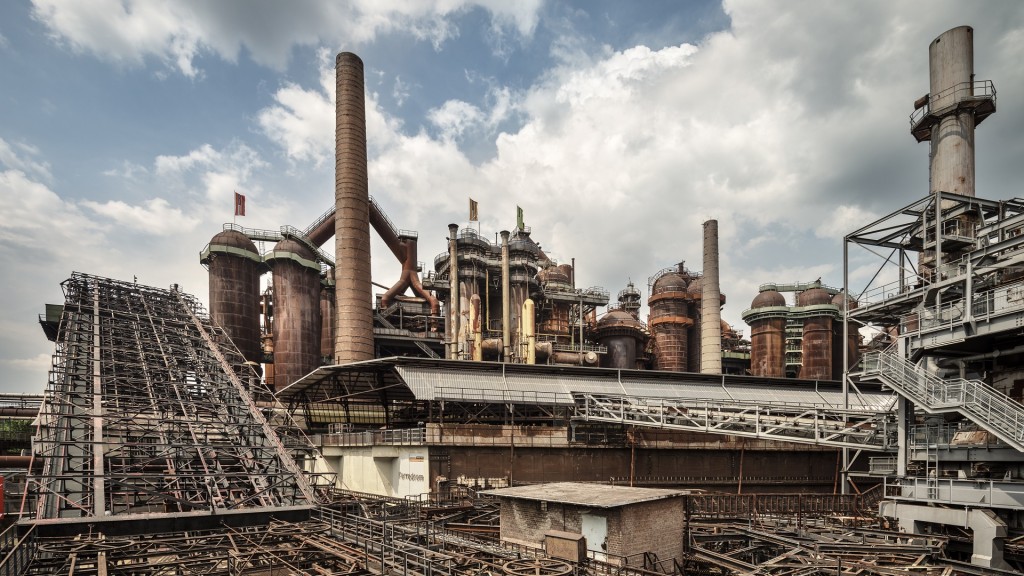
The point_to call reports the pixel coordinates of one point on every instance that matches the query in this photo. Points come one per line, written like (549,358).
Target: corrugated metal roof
(477,385)
(428,379)
(583,494)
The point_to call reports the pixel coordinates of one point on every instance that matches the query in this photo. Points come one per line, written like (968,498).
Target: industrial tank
(623,335)
(817,333)
(670,318)
(767,334)
(296,311)
(234,266)
(852,342)
(555,316)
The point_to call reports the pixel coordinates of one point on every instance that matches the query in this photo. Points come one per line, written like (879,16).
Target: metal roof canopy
(584,494)
(428,379)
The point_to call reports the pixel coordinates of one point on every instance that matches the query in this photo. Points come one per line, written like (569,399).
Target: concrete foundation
(989,530)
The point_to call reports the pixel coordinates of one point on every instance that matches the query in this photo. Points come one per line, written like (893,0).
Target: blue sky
(618,126)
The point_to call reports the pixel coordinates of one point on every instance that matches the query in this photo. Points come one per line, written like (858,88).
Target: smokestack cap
(349,59)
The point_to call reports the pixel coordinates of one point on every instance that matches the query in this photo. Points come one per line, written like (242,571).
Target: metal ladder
(980,403)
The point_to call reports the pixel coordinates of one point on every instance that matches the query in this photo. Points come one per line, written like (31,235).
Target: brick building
(620,524)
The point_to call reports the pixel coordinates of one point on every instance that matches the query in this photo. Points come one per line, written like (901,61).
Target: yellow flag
(472,210)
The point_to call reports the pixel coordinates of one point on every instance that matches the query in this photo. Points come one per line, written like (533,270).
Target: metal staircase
(387,324)
(992,410)
(822,425)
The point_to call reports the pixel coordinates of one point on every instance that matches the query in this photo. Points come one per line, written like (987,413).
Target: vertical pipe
(474,323)
(711,302)
(454,297)
(354,334)
(506,312)
(529,331)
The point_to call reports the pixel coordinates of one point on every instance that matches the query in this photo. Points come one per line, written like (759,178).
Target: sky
(619,128)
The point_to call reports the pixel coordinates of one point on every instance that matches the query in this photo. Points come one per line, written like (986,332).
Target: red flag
(239,204)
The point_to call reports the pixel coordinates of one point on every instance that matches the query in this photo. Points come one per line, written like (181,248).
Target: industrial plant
(490,415)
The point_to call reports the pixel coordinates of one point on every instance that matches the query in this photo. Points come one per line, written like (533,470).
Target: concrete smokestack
(951,78)
(353,339)
(710,305)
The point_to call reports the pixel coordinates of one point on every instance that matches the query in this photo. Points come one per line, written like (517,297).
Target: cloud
(790,135)
(178,33)
(21,156)
(156,216)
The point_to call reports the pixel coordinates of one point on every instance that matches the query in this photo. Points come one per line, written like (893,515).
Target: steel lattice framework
(150,410)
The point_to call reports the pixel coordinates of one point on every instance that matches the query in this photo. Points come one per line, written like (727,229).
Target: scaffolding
(151,410)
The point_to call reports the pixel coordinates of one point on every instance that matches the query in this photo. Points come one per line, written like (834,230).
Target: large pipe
(710,305)
(474,324)
(454,297)
(353,338)
(506,312)
(529,331)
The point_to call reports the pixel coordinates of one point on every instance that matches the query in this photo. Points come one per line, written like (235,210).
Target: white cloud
(179,32)
(156,216)
(21,156)
(789,134)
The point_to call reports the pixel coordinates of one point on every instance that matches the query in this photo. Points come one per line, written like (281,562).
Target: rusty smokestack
(710,305)
(353,338)
(453,283)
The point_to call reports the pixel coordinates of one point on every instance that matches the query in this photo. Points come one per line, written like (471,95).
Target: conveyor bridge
(822,425)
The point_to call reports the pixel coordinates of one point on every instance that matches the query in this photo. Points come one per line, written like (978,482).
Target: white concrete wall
(397,471)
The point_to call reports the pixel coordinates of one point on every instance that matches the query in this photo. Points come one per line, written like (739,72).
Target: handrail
(979,402)
(971,89)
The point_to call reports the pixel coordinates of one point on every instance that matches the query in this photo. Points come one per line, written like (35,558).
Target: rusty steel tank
(670,320)
(235,267)
(555,319)
(767,320)
(297,320)
(624,336)
(818,313)
(853,340)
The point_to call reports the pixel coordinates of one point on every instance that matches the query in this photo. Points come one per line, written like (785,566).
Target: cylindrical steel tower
(623,335)
(296,311)
(853,339)
(767,320)
(670,319)
(951,75)
(234,265)
(710,308)
(817,333)
(353,338)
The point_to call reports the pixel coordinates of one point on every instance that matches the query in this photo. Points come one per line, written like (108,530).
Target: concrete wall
(397,471)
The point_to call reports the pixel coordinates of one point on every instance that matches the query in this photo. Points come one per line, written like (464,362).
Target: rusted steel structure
(235,267)
(297,320)
(767,320)
(817,314)
(670,318)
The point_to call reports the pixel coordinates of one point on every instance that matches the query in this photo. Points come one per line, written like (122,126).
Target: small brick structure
(621,524)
